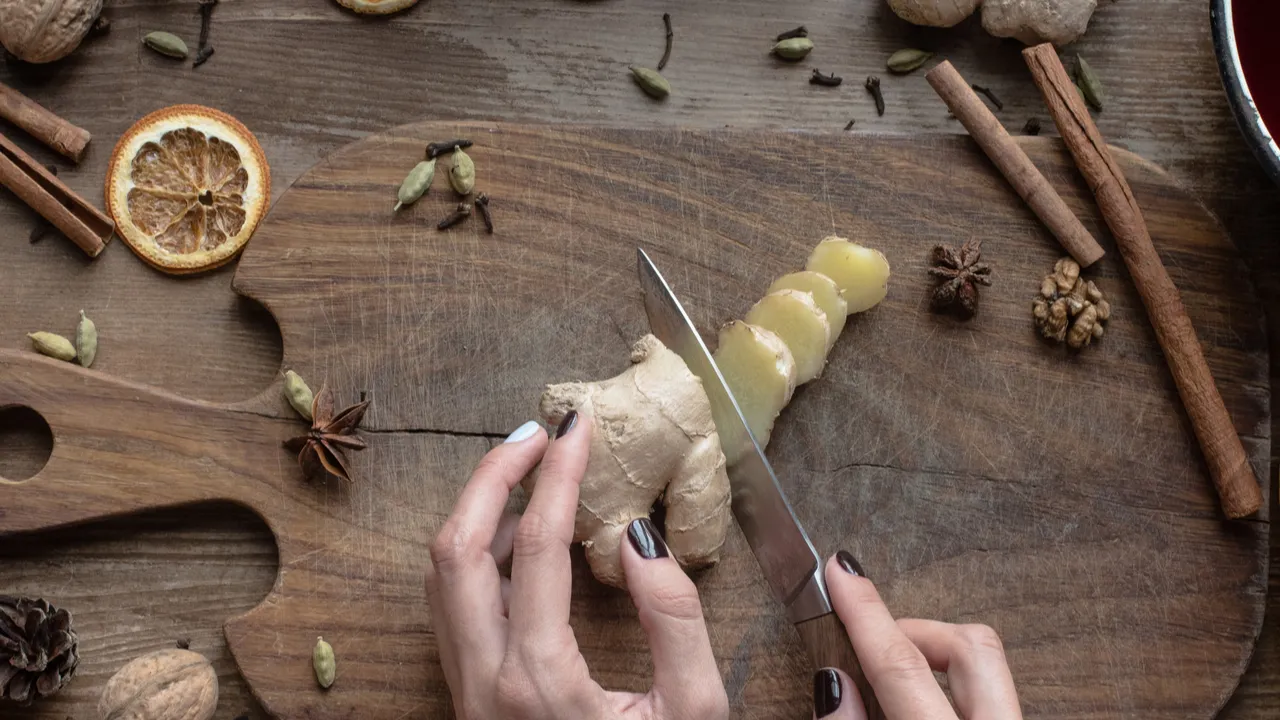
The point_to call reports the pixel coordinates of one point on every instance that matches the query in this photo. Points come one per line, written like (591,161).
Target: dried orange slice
(187,186)
(377,7)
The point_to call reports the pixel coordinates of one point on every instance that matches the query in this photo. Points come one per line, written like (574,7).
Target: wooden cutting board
(979,474)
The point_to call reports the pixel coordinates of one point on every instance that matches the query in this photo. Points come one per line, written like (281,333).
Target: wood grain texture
(138,584)
(978,473)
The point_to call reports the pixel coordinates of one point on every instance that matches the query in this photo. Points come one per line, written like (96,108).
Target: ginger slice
(795,317)
(761,372)
(825,292)
(862,273)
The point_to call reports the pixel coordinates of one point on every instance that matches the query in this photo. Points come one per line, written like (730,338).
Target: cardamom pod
(1090,85)
(86,341)
(462,175)
(416,183)
(324,663)
(166,43)
(907,59)
(298,394)
(651,82)
(55,346)
(793,48)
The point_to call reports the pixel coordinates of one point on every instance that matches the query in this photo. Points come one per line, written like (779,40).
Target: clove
(799,32)
(482,204)
(831,80)
(204,50)
(873,87)
(989,95)
(1032,127)
(436,149)
(462,212)
(666,53)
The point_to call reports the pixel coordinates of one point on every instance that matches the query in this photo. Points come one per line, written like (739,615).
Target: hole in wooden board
(26,442)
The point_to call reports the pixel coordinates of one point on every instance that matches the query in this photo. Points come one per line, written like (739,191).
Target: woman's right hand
(899,658)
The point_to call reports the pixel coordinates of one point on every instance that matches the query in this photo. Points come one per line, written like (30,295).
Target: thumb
(686,679)
(835,697)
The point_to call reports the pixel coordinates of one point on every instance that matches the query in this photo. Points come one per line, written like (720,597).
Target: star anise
(961,274)
(321,450)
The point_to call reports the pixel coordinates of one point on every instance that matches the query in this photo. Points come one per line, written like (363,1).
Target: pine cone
(37,649)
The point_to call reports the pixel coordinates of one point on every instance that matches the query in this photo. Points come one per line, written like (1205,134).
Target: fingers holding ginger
(652,432)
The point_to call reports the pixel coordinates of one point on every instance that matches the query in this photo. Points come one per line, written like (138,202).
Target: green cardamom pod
(1090,85)
(86,341)
(462,175)
(793,48)
(55,346)
(907,59)
(325,664)
(298,394)
(416,183)
(166,44)
(651,82)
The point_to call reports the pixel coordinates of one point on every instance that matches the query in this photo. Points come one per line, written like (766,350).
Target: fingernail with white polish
(524,432)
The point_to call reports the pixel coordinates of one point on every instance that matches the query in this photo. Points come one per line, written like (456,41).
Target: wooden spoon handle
(120,448)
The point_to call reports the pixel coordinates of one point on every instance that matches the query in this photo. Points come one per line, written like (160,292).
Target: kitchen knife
(781,546)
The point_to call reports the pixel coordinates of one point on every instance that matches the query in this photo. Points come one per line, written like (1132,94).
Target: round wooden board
(979,474)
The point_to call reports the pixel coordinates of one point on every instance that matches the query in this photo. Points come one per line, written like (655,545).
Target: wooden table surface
(308,78)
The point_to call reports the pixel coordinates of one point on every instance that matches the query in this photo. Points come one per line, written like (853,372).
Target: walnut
(41,31)
(1070,309)
(166,685)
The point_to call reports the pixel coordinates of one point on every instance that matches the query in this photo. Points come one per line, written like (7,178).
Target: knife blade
(790,563)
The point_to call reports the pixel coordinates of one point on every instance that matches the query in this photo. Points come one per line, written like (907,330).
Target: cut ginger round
(187,186)
(761,373)
(862,273)
(795,317)
(825,292)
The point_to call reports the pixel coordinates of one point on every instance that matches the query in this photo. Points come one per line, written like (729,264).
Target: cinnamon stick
(1014,164)
(1223,452)
(65,138)
(87,226)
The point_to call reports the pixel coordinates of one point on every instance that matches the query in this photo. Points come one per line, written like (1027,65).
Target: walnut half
(1069,308)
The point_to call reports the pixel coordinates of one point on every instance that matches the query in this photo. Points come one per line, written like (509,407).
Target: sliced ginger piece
(761,372)
(795,317)
(862,273)
(825,292)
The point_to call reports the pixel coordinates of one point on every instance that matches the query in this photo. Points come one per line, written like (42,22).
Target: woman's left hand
(506,646)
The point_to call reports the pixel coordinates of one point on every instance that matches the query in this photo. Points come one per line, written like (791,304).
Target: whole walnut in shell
(165,685)
(41,31)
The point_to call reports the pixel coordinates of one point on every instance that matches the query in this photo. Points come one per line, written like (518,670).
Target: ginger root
(1032,21)
(760,370)
(825,293)
(653,437)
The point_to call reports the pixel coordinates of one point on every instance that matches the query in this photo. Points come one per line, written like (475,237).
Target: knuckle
(492,464)
(678,601)
(453,545)
(901,661)
(980,640)
(710,705)
(534,535)
(514,692)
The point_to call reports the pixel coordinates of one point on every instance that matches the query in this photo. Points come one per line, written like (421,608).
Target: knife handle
(828,644)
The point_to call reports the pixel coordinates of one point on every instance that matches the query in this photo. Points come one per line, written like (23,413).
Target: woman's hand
(506,646)
(899,659)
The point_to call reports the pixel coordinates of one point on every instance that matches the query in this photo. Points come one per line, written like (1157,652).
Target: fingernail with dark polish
(826,692)
(567,424)
(849,564)
(645,539)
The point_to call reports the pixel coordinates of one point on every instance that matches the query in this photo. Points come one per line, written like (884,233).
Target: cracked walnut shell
(1069,308)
